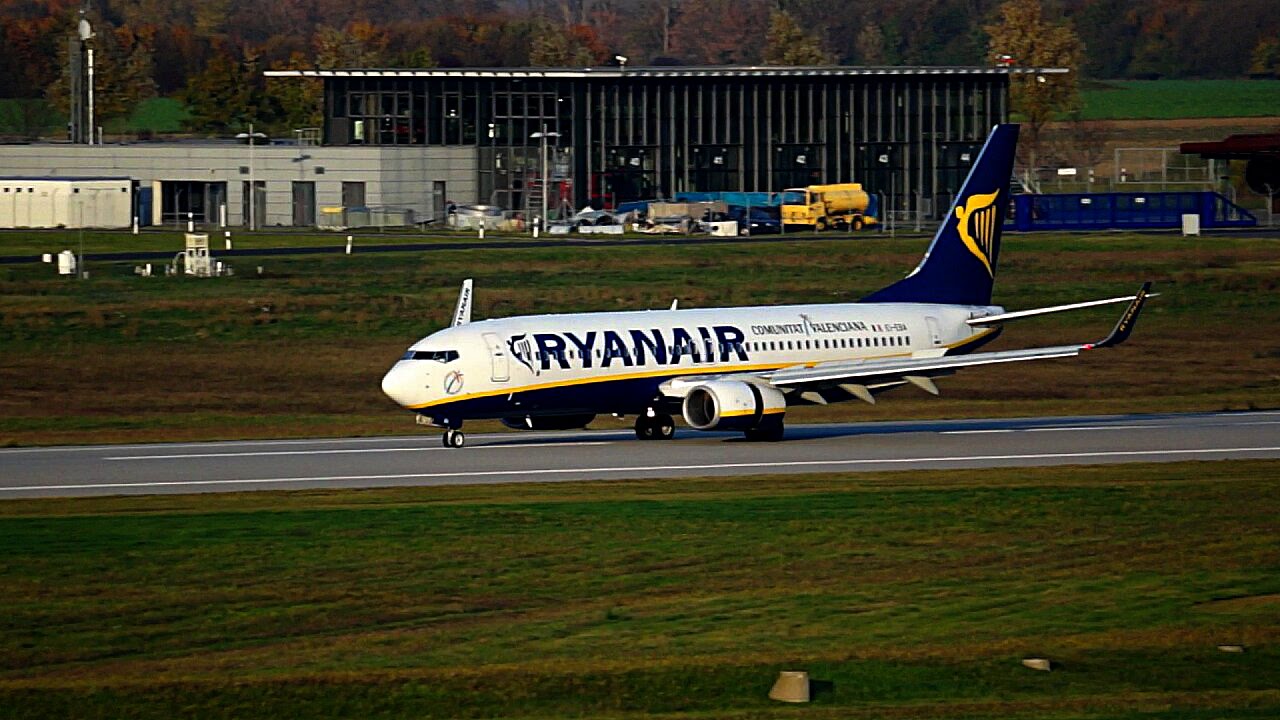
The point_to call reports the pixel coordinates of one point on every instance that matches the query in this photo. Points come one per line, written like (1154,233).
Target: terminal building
(417,140)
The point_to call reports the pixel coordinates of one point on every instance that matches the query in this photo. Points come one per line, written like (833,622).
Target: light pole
(542,136)
(85,31)
(888,212)
(252,137)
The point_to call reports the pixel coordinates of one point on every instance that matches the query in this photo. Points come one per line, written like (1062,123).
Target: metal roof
(677,71)
(63,178)
(1235,146)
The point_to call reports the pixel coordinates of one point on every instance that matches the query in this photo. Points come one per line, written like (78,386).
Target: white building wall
(44,203)
(393,176)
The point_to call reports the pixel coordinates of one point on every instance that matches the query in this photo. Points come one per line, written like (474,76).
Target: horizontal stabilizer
(1020,314)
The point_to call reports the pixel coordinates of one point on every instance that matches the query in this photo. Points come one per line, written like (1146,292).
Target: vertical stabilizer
(462,311)
(960,265)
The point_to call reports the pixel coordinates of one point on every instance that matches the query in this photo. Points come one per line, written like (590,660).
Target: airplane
(739,368)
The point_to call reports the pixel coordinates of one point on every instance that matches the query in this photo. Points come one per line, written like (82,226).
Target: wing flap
(870,371)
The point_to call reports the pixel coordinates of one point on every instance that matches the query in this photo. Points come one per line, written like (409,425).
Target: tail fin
(959,266)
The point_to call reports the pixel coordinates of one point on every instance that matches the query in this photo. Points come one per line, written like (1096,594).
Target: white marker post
(536,223)
(481,228)
(348,244)
(135,224)
(191,222)
(226,234)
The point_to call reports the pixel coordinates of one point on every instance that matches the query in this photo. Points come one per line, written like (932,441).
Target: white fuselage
(613,362)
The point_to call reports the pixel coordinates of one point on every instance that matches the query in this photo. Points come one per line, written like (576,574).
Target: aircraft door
(935,335)
(498,354)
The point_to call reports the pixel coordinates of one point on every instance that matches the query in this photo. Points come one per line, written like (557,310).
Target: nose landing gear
(453,438)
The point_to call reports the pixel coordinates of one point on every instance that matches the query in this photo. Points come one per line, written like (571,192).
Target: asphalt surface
(515,457)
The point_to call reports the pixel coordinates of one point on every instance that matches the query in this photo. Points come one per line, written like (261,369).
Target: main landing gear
(655,427)
(453,438)
(769,430)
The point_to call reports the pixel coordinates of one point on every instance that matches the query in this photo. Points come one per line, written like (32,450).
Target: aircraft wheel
(646,428)
(666,427)
(453,439)
(769,431)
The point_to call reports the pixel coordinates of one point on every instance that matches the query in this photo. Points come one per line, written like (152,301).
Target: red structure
(1262,156)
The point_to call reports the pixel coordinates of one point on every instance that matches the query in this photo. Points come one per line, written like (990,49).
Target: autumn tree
(1265,59)
(787,43)
(720,32)
(124,71)
(554,46)
(229,93)
(1034,41)
(297,101)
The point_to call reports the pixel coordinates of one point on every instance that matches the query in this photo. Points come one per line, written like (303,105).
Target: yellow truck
(844,205)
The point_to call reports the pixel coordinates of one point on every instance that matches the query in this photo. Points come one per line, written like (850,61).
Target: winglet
(462,313)
(1124,327)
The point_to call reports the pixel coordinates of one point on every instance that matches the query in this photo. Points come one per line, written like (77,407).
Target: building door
(498,352)
(304,204)
(437,200)
(215,203)
(255,209)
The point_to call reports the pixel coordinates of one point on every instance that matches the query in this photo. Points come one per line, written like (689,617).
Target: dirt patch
(1247,602)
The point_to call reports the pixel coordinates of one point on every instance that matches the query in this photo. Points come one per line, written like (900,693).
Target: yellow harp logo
(977,226)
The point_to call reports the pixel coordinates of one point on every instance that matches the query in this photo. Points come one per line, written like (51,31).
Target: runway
(420,460)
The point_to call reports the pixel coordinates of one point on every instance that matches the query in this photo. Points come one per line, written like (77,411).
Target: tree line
(212,53)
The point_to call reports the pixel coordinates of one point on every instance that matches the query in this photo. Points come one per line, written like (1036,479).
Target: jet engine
(732,405)
(548,422)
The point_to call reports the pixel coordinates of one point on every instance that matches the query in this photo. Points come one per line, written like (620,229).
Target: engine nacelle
(548,422)
(732,405)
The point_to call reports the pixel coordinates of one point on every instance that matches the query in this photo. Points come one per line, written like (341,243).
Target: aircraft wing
(859,377)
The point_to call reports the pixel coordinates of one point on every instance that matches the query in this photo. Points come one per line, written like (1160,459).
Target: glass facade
(612,135)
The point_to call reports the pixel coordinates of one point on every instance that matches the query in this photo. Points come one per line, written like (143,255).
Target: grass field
(37,118)
(915,595)
(1176,99)
(300,350)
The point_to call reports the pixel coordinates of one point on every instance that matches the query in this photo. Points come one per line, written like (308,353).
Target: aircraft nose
(398,384)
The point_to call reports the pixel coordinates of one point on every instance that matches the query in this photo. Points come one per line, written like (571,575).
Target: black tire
(821,225)
(769,430)
(666,427)
(857,224)
(454,439)
(645,428)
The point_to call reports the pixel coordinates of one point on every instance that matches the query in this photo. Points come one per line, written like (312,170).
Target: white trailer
(44,202)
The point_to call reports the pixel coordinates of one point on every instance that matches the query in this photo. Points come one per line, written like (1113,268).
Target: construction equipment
(820,207)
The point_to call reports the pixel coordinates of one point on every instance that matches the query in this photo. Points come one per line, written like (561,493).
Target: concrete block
(791,686)
(1043,664)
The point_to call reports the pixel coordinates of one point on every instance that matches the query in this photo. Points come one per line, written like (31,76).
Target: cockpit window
(442,356)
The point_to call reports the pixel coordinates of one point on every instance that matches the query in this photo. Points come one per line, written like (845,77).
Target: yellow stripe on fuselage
(721,370)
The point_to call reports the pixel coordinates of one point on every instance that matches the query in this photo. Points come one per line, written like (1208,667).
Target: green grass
(37,118)
(1174,99)
(914,595)
(300,349)
(157,115)
(31,118)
